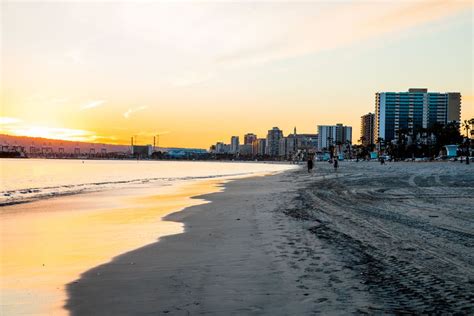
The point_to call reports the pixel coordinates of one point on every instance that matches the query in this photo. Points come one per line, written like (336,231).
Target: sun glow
(50,132)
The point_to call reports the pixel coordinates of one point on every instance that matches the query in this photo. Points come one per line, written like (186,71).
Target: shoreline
(141,208)
(24,188)
(299,243)
(283,162)
(95,189)
(92,294)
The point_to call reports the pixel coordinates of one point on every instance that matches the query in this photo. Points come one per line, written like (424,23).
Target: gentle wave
(31,194)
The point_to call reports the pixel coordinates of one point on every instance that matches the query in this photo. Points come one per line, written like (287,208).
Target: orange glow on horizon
(52,133)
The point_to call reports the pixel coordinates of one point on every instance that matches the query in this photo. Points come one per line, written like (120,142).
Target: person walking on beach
(310,164)
(336,164)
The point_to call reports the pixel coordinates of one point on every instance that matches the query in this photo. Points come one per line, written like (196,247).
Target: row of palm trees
(423,142)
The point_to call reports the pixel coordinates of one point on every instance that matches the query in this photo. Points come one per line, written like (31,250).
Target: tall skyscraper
(413,110)
(234,144)
(367,129)
(249,138)
(273,141)
(333,135)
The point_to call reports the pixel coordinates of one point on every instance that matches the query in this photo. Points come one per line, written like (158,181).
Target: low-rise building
(245,150)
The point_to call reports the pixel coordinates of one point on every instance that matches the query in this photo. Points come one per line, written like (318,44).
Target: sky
(198,72)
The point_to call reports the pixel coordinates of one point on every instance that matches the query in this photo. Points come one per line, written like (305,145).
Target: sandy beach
(54,234)
(171,157)
(368,238)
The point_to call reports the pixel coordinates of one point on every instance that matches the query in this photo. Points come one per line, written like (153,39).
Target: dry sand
(367,239)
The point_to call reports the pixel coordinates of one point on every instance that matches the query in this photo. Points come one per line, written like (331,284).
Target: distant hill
(37,145)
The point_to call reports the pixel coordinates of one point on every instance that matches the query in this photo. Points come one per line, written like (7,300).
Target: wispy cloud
(134,110)
(5,120)
(92,104)
(339,25)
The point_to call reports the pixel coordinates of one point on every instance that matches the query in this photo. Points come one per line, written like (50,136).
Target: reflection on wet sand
(49,243)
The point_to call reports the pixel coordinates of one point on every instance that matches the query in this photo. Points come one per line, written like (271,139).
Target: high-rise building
(410,111)
(234,144)
(273,141)
(259,147)
(330,135)
(367,129)
(249,138)
(286,146)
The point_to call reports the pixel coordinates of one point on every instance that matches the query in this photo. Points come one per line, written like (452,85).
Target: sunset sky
(200,72)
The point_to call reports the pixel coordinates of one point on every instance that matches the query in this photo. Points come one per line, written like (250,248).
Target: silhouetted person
(310,165)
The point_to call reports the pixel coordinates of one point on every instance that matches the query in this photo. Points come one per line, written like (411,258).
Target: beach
(171,157)
(369,238)
(60,218)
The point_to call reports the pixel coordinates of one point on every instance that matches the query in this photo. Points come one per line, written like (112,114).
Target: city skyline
(103,73)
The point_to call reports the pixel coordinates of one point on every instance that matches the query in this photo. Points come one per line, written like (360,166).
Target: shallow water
(26,179)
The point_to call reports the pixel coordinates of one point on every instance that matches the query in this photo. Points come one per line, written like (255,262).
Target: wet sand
(49,243)
(370,239)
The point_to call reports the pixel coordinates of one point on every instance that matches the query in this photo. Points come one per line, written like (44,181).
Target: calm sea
(26,179)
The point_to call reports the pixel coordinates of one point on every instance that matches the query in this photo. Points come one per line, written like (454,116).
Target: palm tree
(471,121)
(467,126)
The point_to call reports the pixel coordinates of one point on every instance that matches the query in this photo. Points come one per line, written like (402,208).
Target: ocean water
(48,242)
(26,179)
